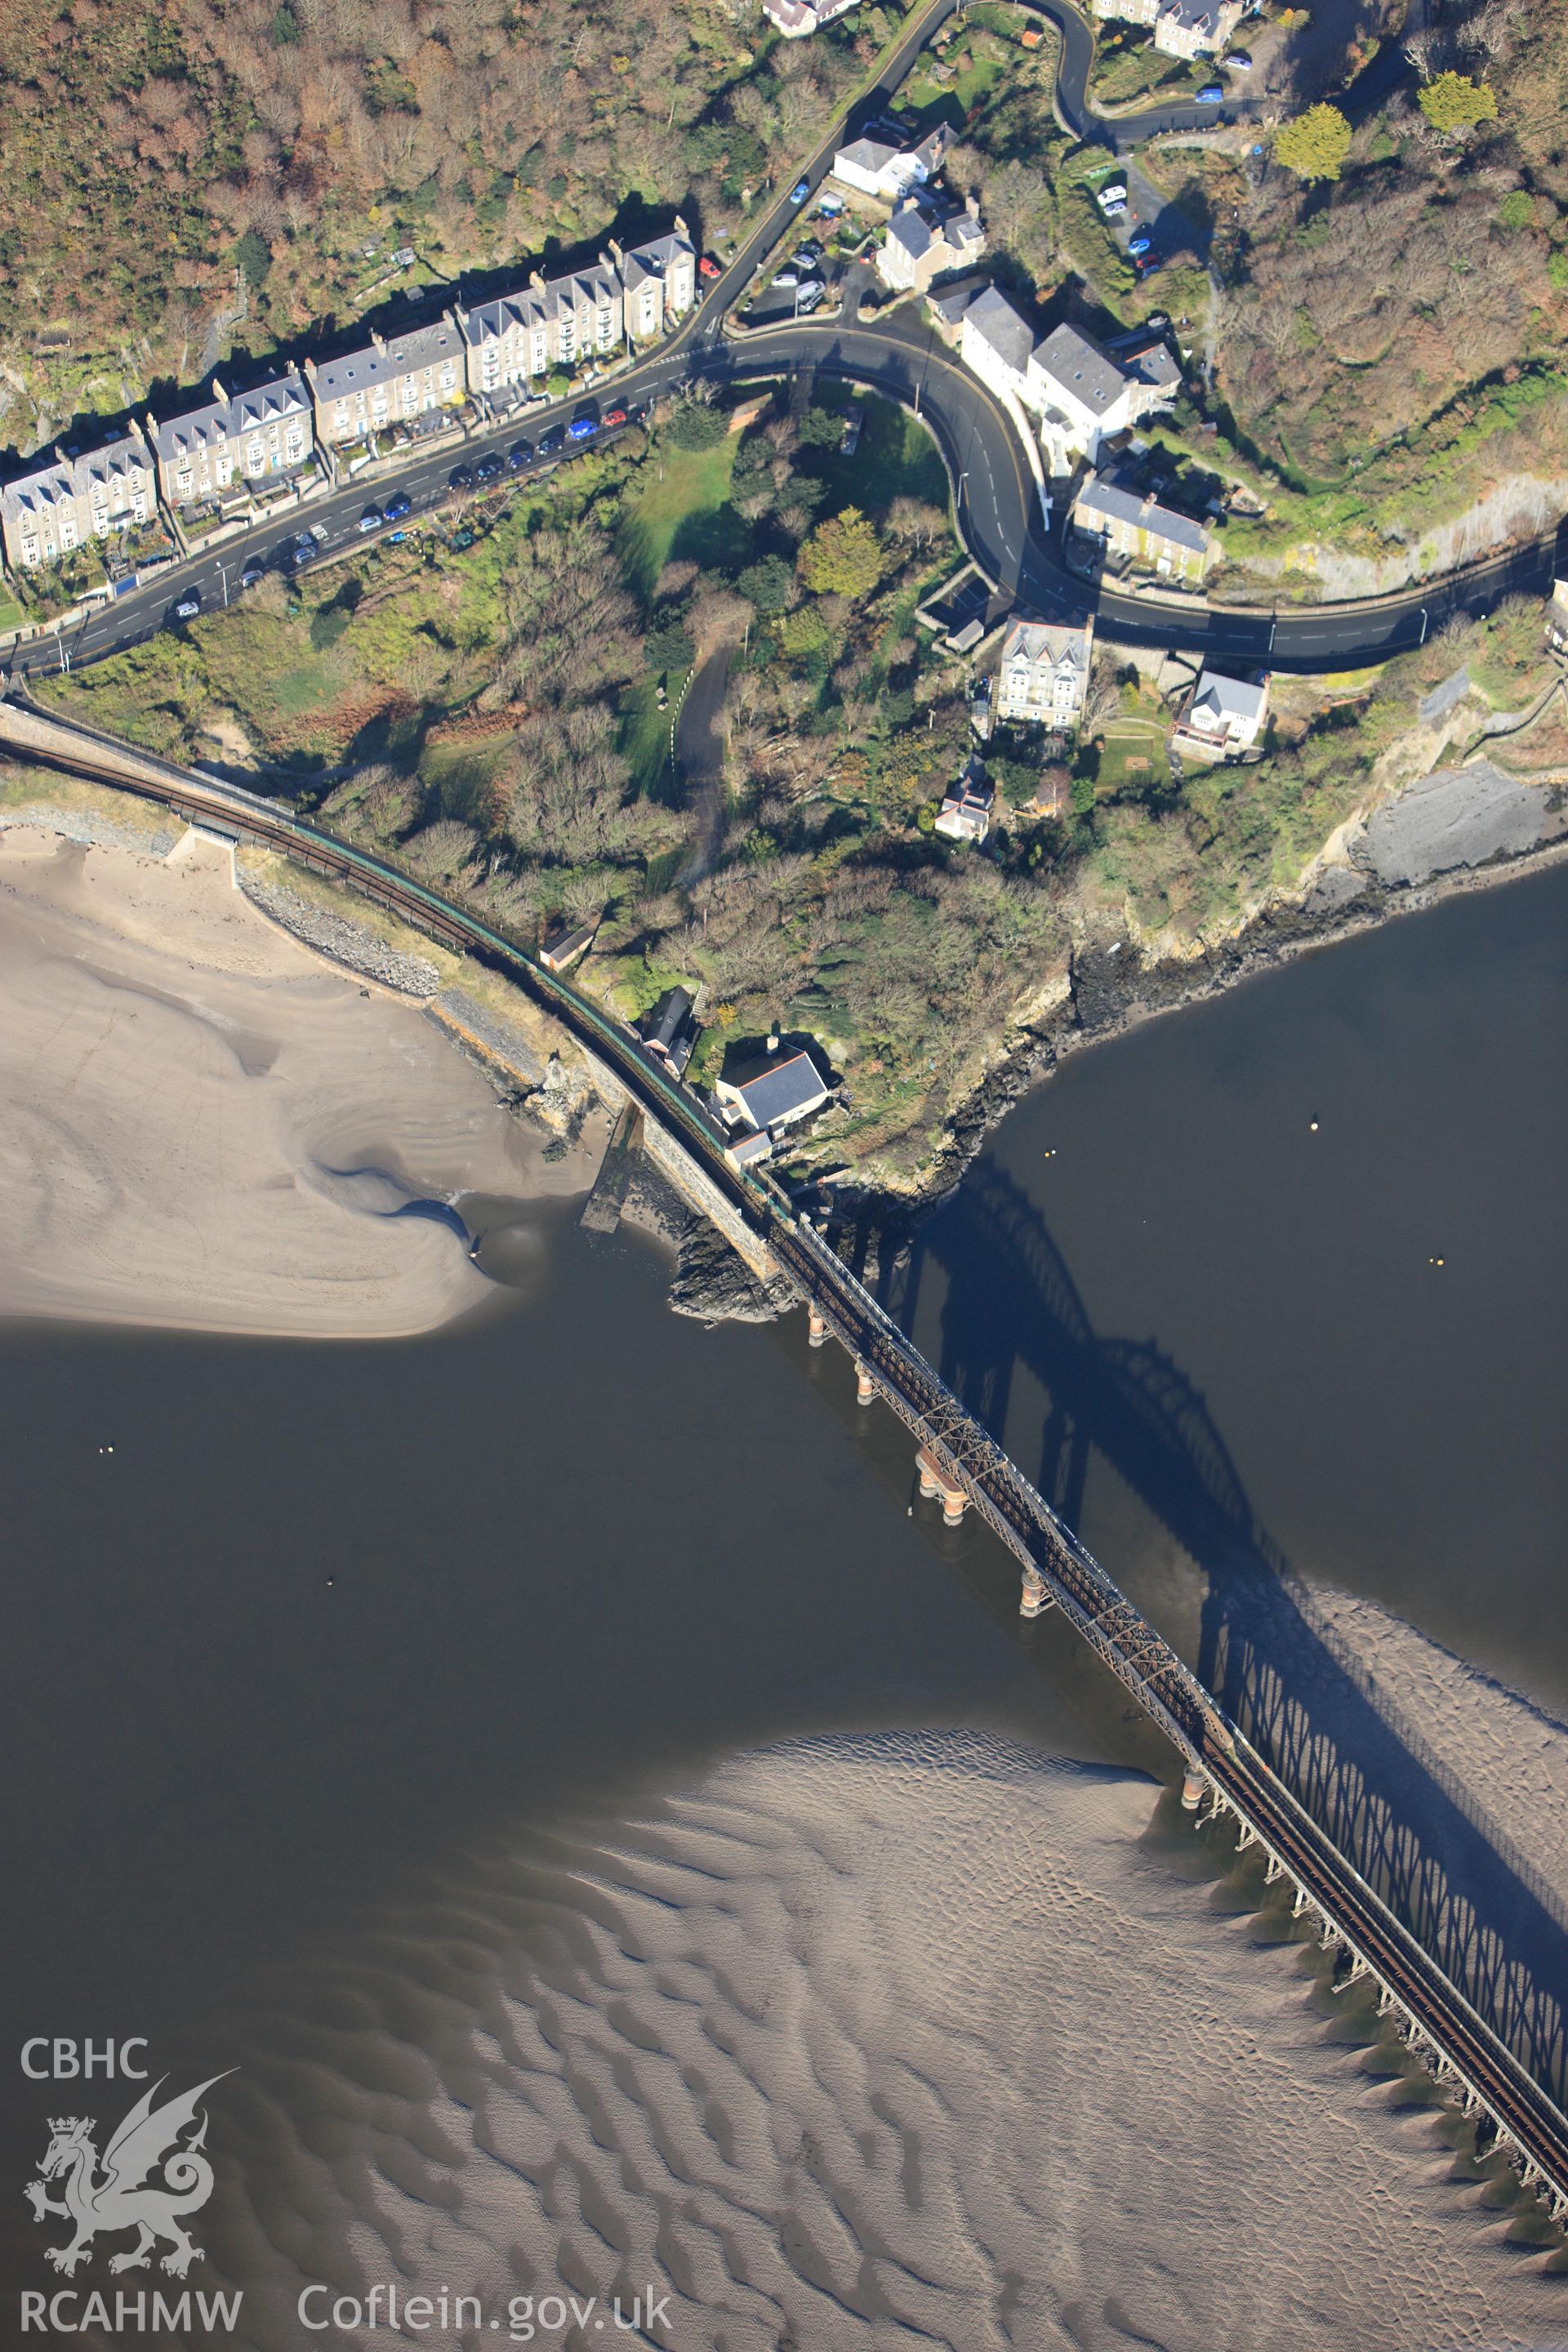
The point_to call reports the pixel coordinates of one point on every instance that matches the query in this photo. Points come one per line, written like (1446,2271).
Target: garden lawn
(681,509)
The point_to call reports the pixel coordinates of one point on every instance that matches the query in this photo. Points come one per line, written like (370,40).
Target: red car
(708,267)
(616,416)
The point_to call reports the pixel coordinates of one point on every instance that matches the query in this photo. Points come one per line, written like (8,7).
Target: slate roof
(1219,699)
(1107,497)
(773,1086)
(996,322)
(1081,368)
(1039,642)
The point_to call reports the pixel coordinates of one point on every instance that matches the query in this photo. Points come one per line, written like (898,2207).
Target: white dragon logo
(125,2198)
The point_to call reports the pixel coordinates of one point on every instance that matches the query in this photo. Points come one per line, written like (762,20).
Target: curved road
(997,503)
(999,517)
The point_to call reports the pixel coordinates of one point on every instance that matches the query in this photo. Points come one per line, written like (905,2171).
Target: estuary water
(620,1841)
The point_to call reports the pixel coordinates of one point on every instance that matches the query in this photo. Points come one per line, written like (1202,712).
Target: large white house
(1182,29)
(1084,395)
(883,168)
(1044,678)
(996,341)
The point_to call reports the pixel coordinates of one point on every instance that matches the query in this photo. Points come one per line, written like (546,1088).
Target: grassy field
(680,509)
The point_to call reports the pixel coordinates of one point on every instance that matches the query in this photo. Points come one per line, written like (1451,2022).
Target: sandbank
(208,1127)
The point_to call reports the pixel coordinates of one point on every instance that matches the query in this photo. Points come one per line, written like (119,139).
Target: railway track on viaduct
(1468,2058)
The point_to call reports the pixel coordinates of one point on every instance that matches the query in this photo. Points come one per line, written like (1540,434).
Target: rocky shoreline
(1111,989)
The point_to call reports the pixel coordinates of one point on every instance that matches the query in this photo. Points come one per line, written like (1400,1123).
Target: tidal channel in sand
(615,1841)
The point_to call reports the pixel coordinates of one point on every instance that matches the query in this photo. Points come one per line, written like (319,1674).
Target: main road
(996,506)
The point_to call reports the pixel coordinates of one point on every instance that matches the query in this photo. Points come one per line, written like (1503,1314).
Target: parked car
(808,250)
(787,279)
(303,548)
(551,443)
(461,478)
(251,574)
(1211,94)
(582,428)
(799,192)
(490,466)
(1240,61)
(520,454)
(707,268)
(188,607)
(397,508)
(372,520)
(615,416)
(830,208)
(1112,196)
(1139,242)
(808,297)
(1114,212)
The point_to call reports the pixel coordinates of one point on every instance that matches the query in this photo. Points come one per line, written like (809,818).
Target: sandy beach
(210,1128)
(911,2039)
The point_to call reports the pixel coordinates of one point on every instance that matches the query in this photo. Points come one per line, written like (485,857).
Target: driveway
(700,750)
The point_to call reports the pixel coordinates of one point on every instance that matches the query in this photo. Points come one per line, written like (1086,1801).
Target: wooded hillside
(152,146)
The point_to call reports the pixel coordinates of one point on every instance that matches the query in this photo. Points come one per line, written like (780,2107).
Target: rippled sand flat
(868,2043)
(206,1126)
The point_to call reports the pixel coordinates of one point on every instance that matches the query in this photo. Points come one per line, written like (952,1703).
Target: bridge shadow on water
(1308,1703)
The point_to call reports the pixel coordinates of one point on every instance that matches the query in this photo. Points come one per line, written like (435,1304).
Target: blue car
(799,192)
(395,508)
(1142,242)
(581,427)
(1211,94)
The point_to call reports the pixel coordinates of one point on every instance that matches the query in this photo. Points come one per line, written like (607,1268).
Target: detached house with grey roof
(1133,524)
(208,455)
(388,383)
(926,238)
(761,1093)
(57,508)
(1224,717)
(1044,676)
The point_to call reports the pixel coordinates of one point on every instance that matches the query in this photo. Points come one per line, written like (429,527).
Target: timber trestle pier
(959,1459)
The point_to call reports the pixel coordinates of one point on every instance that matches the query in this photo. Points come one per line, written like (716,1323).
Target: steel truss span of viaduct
(961,1459)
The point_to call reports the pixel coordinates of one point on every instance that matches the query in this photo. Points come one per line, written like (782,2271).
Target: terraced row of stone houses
(230,450)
